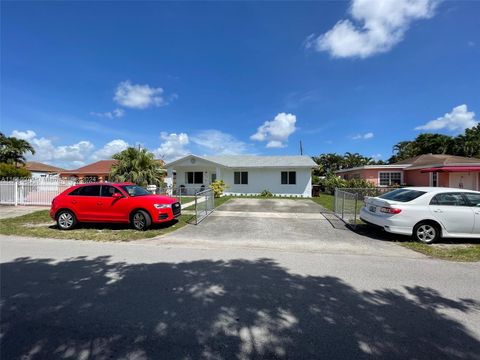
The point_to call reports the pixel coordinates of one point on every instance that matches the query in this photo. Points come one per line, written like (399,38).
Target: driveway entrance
(277,223)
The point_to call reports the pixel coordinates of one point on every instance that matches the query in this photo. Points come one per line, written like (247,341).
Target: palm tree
(468,144)
(13,150)
(137,165)
(327,163)
(355,159)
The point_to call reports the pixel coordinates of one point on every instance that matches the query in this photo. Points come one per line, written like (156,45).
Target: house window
(390,178)
(240,177)
(289,177)
(434,179)
(194,177)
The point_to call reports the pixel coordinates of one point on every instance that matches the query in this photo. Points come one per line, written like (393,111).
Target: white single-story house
(244,174)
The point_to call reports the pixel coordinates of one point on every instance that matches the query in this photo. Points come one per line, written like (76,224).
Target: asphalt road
(65,299)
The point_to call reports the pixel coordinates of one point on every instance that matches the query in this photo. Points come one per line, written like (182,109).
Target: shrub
(330,182)
(11,171)
(360,183)
(266,193)
(218,187)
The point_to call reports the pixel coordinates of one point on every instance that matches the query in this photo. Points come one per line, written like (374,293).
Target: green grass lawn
(185,199)
(325,200)
(39,224)
(453,252)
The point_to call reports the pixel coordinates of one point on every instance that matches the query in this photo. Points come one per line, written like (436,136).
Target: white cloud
(109,149)
(219,143)
(458,119)
(276,131)
(45,150)
(115,113)
(366,136)
(377,26)
(173,146)
(75,152)
(139,96)
(25,135)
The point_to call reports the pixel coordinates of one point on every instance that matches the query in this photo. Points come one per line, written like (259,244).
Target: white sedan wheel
(426,233)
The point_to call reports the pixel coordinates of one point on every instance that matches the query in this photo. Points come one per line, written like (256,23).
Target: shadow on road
(95,309)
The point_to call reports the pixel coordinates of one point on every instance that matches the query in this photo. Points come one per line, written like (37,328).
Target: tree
(327,163)
(423,144)
(137,165)
(353,160)
(9,171)
(13,150)
(468,144)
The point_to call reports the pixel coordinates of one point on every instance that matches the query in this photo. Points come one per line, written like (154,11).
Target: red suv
(108,202)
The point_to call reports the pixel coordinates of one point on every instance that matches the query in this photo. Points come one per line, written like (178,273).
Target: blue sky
(81,80)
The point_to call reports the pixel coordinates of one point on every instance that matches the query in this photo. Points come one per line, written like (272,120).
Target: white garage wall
(269,179)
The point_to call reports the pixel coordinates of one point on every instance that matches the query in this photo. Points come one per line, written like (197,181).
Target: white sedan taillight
(388,210)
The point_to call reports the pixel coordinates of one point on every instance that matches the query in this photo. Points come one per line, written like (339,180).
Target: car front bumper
(168,214)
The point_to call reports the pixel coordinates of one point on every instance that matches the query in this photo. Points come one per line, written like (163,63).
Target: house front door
(463,180)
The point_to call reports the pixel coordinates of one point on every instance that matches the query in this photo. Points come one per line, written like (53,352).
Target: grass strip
(39,224)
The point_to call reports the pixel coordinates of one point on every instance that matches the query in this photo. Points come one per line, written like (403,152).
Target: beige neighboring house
(41,170)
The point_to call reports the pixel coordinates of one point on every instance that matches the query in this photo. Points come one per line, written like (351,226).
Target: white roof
(249,161)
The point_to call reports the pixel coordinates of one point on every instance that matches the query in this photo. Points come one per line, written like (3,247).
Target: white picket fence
(32,191)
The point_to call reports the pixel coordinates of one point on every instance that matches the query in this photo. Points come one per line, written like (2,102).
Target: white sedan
(426,213)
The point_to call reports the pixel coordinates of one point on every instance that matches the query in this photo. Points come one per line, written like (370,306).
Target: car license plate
(372,208)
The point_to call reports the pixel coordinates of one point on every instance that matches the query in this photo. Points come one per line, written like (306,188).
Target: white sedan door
(453,212)
(474,202)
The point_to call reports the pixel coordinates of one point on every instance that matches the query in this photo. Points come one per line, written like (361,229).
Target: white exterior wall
(41,174)
(259,179)
(187,166)
(269,179)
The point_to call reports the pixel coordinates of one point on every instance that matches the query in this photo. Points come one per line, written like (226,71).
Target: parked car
(426,213)
(112,203)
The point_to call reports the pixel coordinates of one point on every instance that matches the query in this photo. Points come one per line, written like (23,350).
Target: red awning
(453,169)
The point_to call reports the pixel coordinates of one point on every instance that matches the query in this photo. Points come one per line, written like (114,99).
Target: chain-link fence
(349,201)
(204,204)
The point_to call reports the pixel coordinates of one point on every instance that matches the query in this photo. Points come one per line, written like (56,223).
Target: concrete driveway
(10,211)
(278,223)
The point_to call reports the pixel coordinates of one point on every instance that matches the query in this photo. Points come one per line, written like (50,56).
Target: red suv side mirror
(117,195)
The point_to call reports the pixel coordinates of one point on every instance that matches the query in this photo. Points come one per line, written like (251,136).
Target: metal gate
(204,204)
(349,201)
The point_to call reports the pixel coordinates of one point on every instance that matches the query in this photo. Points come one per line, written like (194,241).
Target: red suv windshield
(135,190)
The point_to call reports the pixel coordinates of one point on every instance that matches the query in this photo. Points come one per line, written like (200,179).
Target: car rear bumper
(388,224)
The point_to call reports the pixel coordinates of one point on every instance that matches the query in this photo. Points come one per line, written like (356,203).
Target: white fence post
(15,191)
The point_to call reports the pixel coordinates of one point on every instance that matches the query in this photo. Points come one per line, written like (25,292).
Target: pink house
(423,170)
